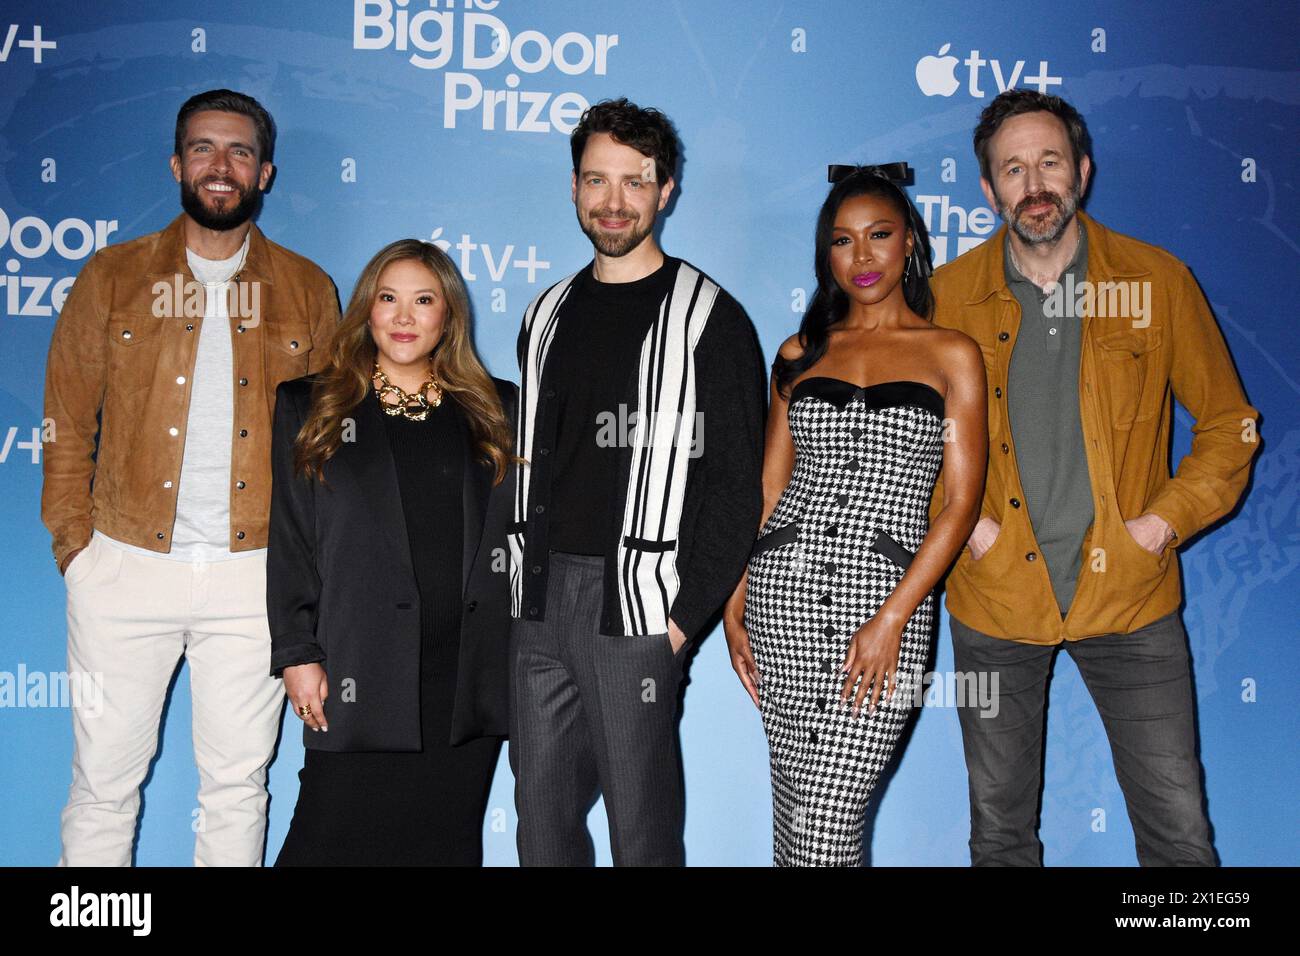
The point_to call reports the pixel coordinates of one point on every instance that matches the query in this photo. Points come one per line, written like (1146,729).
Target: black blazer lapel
(478,485)
(371,462)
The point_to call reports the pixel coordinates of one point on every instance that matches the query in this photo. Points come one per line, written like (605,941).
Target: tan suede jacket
(119,370)
(1135,360)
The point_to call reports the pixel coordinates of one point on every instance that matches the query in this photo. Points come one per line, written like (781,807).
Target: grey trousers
(593,714)
(1141,685)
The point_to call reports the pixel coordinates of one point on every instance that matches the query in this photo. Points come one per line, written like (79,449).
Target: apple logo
(936,75)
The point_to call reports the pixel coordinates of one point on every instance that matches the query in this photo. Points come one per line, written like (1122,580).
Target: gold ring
(304,710)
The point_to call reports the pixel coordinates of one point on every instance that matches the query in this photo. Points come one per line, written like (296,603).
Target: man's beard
(1046,228)
(249,202)
(615,245)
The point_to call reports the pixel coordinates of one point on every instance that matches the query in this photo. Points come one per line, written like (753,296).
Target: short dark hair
(228,101)
(1015,102)
(647,130)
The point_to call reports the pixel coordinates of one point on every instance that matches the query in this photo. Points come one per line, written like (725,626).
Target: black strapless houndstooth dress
(835,547)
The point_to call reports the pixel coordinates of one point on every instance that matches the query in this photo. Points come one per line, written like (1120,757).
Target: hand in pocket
(72,556)
(982,537)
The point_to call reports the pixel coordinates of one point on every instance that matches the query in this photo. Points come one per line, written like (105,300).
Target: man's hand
(982,537)
(69,559)
(676,636)
(1151,532)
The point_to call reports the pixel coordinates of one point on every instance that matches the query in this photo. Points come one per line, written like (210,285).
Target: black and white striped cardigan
(646,574)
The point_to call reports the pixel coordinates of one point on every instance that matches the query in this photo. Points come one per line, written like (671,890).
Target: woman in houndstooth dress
(830,629)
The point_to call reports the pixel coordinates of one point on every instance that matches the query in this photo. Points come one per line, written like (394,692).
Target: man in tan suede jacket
(1088,336)
(160,385)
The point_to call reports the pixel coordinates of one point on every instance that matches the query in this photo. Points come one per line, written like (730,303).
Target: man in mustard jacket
(160,384)
(1087,336)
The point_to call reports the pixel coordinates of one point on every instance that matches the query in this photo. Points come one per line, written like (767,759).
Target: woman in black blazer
(387,576)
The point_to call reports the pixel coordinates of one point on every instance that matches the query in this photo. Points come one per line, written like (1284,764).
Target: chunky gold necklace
(396,400)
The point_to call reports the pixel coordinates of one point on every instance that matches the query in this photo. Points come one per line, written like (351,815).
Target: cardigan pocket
(645,544)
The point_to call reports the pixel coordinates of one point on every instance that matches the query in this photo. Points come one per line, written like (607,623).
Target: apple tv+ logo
(937,75)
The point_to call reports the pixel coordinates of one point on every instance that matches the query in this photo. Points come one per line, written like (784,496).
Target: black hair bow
(899,173)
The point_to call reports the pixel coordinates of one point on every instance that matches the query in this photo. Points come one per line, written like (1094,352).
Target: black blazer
(340,588)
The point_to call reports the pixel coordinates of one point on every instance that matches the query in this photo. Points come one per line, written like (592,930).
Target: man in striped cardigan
(641,439)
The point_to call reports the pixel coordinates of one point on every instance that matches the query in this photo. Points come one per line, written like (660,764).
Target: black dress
(409,809)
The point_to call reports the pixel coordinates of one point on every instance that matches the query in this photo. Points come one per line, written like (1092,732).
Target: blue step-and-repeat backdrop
(448,121)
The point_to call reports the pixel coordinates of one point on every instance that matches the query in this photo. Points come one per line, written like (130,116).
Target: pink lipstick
(864,279)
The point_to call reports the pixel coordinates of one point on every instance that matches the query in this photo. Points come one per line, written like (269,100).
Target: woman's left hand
(871,662)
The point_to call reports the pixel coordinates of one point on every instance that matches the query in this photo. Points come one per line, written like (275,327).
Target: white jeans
(130,619)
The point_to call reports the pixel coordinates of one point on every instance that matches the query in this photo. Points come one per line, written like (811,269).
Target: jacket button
(243,381)
(998,391)
(239,485)
(550,393)
(1005,448)
(532,612)
(161,535)
(543,451)
(537,569)
(1003,336)
(189,328)
(239,535)
(540,509)
(126,333)
(1015,502)
(173,432)
(167,484)
(471,606)
(239,328)
(180,379)
(1031,556)
(243,433)
(293,344)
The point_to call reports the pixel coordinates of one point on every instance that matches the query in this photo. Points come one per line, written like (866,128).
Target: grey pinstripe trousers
(593,714)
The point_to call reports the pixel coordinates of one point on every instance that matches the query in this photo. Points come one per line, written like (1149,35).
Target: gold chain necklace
(395,400)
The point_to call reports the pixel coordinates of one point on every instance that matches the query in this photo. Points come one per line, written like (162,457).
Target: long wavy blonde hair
(347,381)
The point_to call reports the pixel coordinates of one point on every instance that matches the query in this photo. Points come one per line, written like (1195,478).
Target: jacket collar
(1107,259)
(168,258)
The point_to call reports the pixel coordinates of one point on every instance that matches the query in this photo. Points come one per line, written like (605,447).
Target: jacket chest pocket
(1128,372)
(134,341)
(288,353)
